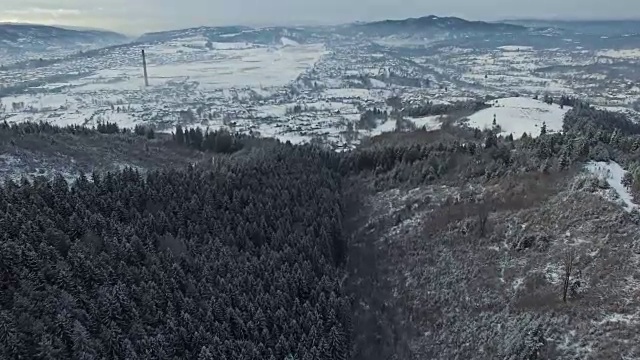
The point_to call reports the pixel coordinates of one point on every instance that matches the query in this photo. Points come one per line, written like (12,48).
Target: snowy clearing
(430,123)
(387,126)
(613,173)
(517,115)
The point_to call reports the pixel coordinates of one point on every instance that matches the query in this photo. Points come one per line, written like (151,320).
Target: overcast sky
(138,16)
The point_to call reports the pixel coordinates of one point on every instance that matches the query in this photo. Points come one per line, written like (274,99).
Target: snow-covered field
(232,66)
(253,67)
(518,115)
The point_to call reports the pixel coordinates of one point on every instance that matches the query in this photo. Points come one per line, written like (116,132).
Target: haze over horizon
(139,16)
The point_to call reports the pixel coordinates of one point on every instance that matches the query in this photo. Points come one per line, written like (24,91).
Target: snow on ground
(552,86)
(377,83)
(293,138)
(429,122)
(517,115)
(387,126)
(212,125)
(125,78)
(237,66)
(234,74)
(631,113)
(268,130)
(553,273)
(39,102)
(329,106)
(272,110)
(193,41)
(231,45)
(515,48)
(347,93)
(617,318)
(75,117)
(621,54)
(613,173)
(288,42)
(280,110)
(124,120)
(136,83)
(78,117)
(363,94)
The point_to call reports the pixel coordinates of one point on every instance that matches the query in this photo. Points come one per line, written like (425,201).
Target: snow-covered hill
(18,41)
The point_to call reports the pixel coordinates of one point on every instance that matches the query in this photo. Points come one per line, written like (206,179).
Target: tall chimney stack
(144,65)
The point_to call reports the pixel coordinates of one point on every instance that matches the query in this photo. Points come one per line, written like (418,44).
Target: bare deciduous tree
(483,217)
(568,266)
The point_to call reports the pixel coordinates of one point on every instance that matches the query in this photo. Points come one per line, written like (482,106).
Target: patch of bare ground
(479,271)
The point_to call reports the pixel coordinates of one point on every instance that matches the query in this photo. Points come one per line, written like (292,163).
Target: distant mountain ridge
(601,27)
(265,36)
(32,39)
(204,31)
(435,23)
(270,35)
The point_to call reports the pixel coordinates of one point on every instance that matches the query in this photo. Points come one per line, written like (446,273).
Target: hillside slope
(454,243)
(19,41)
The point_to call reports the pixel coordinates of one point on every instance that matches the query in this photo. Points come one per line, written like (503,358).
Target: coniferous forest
(240,261)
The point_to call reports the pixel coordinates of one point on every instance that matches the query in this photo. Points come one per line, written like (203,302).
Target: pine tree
(179,135)
(337,345)
(491,140)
